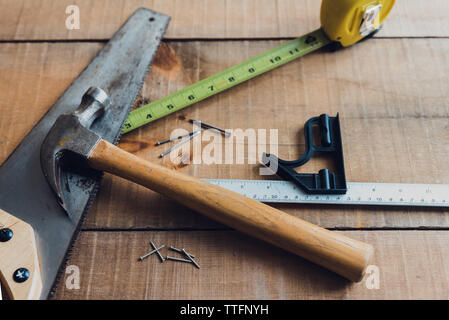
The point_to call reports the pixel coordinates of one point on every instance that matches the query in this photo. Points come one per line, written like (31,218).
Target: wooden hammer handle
(345,256)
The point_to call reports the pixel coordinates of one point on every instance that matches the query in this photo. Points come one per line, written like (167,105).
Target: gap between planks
(391,85)
(232,18)
(171,40)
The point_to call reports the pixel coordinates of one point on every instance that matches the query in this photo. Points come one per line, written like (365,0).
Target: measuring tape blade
(226,79)
(359,193)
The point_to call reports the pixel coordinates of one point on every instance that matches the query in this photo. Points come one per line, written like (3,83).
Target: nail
(209,126)
(177,259)
(190,258)
(180,251)
(163,154)
(150,253)
(157,251)
(176,138)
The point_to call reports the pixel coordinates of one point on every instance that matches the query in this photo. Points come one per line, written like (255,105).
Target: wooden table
(391,93)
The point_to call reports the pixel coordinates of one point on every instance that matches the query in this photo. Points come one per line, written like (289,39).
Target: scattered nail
(209,126)
(180,251)
(190,258)
(176,138)
(163,154)
(178,259)
(150,253)
(157,251)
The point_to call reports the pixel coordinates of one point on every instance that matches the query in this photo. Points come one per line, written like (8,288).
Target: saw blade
(119,68)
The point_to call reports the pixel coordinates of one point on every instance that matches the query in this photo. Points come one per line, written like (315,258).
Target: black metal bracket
(324,182)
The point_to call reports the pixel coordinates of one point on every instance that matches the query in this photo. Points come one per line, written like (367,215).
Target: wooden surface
(45,19)
(19,252)
(412,265)
(345,256)
(391,93)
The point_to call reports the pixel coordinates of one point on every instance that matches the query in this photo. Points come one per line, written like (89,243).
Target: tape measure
(226,79)
(343,21)
(359,193)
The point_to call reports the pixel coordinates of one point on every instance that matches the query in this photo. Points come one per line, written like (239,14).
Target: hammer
(71,139)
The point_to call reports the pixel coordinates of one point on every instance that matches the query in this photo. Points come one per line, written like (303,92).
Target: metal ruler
(226,79)
(359,193)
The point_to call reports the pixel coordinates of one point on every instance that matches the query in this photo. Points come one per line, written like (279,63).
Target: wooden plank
(389,93)
(99,19)
(32,77)
(390,126)
(234,266)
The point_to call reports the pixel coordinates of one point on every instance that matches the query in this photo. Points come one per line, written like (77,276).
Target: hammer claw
(71,137)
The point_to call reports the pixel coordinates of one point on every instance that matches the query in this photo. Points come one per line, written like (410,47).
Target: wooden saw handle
(345,256)
(19,252)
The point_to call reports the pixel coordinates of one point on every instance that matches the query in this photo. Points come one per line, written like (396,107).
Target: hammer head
(71,140)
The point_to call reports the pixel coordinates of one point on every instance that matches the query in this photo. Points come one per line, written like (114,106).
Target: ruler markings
(226,79)
(359,193)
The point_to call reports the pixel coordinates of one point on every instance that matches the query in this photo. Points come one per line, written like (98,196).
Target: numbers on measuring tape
(295,50)
(226,79)
(276,59)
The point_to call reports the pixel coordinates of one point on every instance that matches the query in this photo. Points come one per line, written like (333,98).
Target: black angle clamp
(324,182)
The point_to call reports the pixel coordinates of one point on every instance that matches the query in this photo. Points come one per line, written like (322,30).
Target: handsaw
(76,182)
(120,67)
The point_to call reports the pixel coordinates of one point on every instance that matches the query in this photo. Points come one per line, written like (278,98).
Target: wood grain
(19,252)
(32,77)
(391,93)
(345,256)
(391,124)
(99,19)
(234,266)
(391,97)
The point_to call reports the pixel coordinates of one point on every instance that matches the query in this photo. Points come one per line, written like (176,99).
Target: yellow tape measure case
(349,21)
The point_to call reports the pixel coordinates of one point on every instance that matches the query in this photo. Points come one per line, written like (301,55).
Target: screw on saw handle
(19,263)
(349,21)
(332,250)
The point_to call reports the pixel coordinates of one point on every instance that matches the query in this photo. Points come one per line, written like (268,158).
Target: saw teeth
(69,251)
